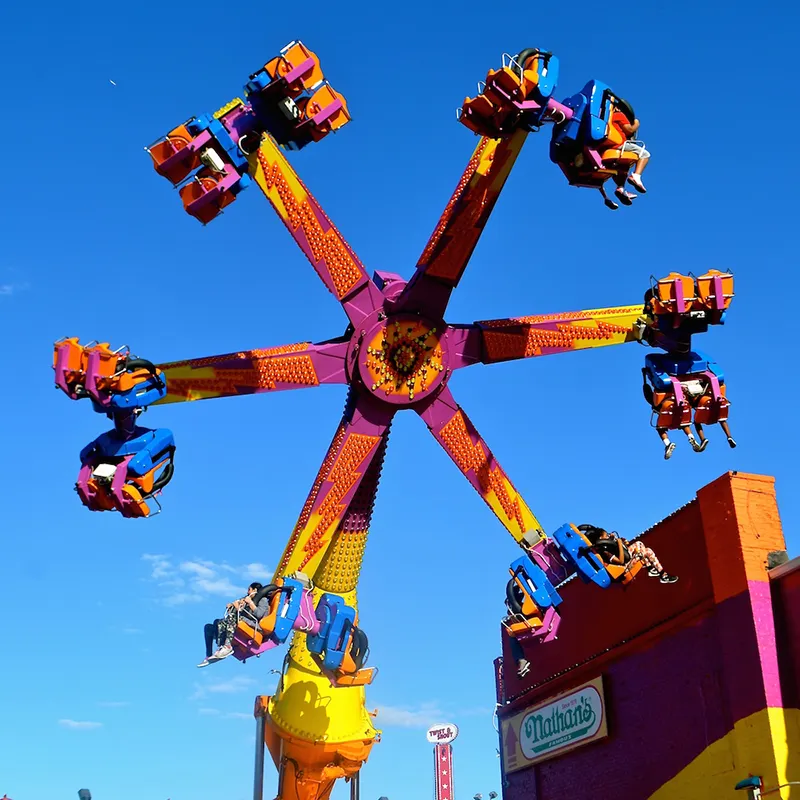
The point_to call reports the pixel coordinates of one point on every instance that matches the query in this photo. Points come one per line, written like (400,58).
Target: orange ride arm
(449,249)
(547,334)
(333,259)
(292,366)
(356,443)
(457,435)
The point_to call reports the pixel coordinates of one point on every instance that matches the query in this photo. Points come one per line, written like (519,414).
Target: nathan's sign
(562,723)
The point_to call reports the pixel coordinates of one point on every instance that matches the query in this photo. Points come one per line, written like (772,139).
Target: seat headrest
(265,591)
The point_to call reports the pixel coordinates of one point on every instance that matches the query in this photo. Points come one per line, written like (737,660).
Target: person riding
(611,548)
(517,653)
(252,607)
(694,389)
(624,121)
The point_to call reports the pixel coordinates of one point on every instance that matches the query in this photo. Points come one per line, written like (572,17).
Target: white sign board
(442,734)
(560,724)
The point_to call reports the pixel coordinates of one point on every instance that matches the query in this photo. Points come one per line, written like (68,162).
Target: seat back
(325,109)
(532,581)
(662,367)
(710,411)
(296,64)
(291,595)
(598,119)
(539,74)
(674,294)
(566,135)
(267,623)
(337,640)
(355,653)
(177,170)
(503,85)
(715,290)
(328,606)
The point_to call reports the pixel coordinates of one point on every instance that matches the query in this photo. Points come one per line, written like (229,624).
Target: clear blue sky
(98,686)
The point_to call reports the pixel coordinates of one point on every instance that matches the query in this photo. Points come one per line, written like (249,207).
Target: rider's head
(253,588)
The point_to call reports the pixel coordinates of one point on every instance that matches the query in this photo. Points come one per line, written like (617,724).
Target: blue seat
(328,607)
(534,581)
(566,134)
(661,366)
(338,639)
(588,565)
(598,96)
(290,608)
(140,396)
(548,80)
(148,448)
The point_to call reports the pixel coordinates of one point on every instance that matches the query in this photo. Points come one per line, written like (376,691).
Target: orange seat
(76,360)
(266,624)
(139,504)
(707,293)
(707,412)
(674,294)
(320,100)
(518,624)
(290,58)
(618,159)
(624,574)
(204,182)
(361,678)
(480,115)
(127,380)
(103,499)
(670,415)
(144,483)
(177,139)
(502,84)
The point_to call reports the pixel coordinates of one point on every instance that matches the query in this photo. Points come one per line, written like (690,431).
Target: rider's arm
(631,129)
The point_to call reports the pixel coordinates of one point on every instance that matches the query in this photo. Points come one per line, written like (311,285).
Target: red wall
(681,663)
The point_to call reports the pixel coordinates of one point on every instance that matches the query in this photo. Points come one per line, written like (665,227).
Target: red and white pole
(443,756)
(442,737)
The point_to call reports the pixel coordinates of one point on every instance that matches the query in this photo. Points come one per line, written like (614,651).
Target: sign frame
(442,733)
(578,702)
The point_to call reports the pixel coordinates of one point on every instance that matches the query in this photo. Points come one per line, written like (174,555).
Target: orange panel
(754,528)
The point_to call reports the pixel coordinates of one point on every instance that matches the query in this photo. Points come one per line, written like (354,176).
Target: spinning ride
(397,353)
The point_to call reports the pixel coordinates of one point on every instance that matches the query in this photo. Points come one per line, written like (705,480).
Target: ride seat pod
(538,592)
(329,607)
(576,546)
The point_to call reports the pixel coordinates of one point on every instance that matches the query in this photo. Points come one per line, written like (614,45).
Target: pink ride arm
(360,437)
(457,435)
(293,366)
(333,259)
(449,249)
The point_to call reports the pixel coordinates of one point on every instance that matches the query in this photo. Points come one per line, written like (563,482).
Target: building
(670,692)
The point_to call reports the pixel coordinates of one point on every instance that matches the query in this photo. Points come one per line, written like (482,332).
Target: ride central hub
(403,358)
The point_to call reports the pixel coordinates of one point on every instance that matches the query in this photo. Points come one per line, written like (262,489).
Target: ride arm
(359,438)
(449,249)
(332,258)
(544,334)
(293,366)
(461,441)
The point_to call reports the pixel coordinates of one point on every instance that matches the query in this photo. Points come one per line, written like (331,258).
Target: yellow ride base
(315,731)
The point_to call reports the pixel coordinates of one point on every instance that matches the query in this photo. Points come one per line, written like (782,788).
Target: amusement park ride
(397,353)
